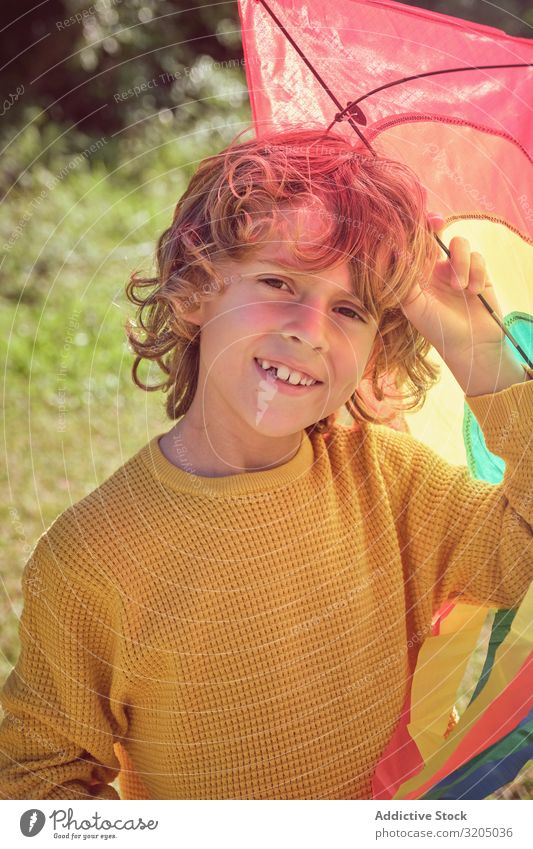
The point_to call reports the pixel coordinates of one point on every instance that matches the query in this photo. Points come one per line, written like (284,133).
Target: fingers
(468,270)
(478,273)
(465,270)
(436,221)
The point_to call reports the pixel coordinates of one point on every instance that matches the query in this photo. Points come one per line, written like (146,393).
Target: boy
(233,613)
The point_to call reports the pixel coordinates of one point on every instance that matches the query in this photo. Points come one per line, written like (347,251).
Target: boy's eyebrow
(287,273)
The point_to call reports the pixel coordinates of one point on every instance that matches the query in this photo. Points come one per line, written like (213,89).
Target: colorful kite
(452,99)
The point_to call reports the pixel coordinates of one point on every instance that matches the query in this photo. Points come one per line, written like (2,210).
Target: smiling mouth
(272,374)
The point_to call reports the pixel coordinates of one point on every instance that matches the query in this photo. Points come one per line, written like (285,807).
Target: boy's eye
(268,279)
(354,314)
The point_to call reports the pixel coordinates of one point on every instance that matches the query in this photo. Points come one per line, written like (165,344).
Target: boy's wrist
(489,378)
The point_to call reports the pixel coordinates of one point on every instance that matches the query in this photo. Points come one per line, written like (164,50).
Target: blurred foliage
(515,17)
(73,58)
(113,95)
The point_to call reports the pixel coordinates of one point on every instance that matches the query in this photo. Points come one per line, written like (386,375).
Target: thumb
(436,221)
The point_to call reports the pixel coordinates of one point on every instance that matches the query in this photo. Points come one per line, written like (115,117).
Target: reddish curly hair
(375,218)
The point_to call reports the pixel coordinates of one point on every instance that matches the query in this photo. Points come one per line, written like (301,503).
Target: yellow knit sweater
(251,636)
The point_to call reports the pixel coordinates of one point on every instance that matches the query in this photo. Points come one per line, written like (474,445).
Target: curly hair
(375,218)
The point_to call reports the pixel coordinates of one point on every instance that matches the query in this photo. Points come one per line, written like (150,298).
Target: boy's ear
(194,316)
(193,309)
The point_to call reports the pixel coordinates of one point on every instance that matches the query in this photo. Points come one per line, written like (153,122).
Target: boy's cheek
(260,316)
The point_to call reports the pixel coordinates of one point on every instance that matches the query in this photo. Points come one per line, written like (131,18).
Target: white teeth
(285,374)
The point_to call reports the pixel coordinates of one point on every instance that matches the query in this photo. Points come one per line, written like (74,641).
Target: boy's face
(301,318)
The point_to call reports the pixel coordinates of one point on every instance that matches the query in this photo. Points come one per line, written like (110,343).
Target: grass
(72,414)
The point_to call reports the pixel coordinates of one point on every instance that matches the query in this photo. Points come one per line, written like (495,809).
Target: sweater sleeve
(59,726)
(459,535)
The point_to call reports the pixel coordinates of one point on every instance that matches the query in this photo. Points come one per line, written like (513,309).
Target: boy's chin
(279,427)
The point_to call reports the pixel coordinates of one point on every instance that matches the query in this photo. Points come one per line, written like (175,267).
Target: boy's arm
(461,535)
(56,739)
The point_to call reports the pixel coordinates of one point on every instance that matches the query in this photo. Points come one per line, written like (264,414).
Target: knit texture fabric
(252,636)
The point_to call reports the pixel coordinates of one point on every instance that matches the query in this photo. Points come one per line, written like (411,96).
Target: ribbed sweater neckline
(229,486)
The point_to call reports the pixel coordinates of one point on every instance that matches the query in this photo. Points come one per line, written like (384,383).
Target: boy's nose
(310,326)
